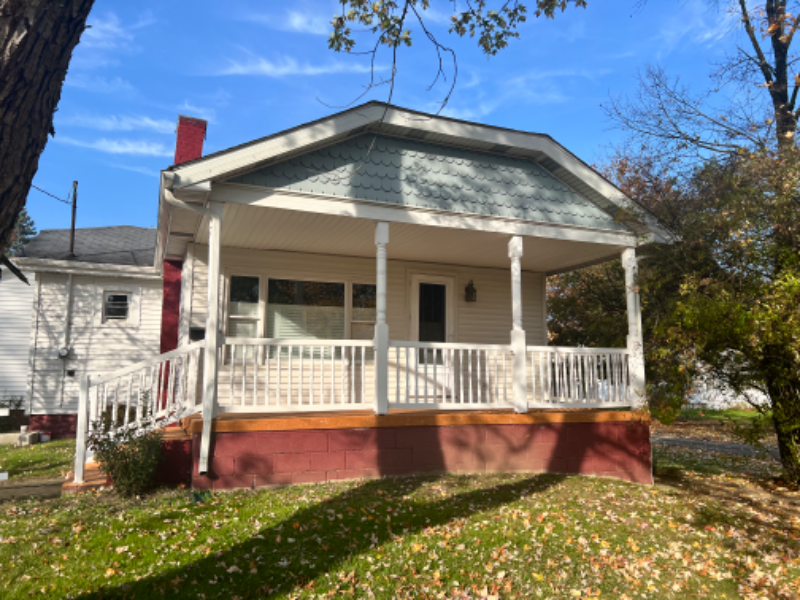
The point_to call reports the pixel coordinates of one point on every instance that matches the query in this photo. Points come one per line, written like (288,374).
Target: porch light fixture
(470,293)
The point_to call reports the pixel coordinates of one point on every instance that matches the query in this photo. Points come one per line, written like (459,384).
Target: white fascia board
(217,167)
(534,143)
(334,205)
(248,157)
(47,265)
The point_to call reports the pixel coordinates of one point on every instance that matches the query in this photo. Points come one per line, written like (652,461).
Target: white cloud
(305,23)
(135,169)
(535,88)
(695,24)
(95,83)
(191,110)
(294,21)
(125,123)
(285,66)
(107,32)
(123,146)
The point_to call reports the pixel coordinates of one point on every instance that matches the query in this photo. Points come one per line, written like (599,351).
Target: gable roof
(380,117)
(406,172)
(119,245)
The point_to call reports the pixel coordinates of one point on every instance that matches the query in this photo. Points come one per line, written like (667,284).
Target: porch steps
(94,478)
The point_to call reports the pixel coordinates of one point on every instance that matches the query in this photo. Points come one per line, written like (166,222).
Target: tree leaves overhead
(391,24)
(494,23)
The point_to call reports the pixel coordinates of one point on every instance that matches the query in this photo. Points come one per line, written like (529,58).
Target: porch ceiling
(261,228)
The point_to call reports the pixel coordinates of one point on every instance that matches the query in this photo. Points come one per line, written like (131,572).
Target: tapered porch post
(518,342)
(381,327)
(635,340)
(211,354)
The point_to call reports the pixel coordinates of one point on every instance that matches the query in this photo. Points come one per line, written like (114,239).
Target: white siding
(487,321)
(16,310)
(97,347)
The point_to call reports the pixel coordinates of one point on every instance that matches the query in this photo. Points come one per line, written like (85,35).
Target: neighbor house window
(305,309)
(116,306)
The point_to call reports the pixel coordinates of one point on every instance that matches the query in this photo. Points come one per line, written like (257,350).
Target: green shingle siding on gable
(410,173)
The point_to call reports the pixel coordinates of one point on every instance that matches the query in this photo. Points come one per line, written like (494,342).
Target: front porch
(376,262)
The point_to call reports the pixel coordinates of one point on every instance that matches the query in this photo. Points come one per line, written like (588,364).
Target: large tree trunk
(785,400)
(37,38)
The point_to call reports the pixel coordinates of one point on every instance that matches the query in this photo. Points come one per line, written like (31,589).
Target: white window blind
(305,309)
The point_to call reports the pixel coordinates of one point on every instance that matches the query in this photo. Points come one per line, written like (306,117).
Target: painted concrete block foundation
(248,459)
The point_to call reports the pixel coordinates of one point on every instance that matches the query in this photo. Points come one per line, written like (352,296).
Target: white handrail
(449,345)
(237,341)
(148,362)
(571,350)
(152,392)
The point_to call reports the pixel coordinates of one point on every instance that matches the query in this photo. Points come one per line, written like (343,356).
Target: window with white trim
(116,306)
(365,312)
(244,317)
(305,309)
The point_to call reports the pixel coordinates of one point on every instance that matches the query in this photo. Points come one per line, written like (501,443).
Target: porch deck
(398,417)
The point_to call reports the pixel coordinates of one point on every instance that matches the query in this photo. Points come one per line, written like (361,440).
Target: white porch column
(635,340)
(381,327)
(211,353)
(518,341)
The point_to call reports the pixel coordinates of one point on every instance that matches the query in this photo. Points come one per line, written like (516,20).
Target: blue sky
(252,68)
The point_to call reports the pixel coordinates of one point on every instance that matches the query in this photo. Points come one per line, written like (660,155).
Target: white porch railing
(273,375)
(578,377)
(148,395)
(449,376)
(283,375)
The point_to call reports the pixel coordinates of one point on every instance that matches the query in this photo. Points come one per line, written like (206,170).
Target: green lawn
(39,461)
(696,414)
(501,536)
(669,460)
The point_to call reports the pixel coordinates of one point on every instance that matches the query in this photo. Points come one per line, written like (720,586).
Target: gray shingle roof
(120,245)
(412,173)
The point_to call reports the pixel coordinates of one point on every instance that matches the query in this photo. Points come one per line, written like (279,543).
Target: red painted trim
(171,305)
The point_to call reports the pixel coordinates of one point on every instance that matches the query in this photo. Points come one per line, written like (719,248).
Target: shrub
(12,402)
(130,457)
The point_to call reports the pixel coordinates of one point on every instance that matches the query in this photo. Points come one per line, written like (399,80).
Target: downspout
(209,406)
(34,348)
(65,350)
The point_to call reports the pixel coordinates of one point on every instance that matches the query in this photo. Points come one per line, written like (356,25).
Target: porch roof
(521,182)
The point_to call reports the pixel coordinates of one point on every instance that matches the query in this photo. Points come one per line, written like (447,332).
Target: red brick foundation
(247,459)
(61,427)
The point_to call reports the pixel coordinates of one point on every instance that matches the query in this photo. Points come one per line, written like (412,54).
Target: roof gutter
(169,196)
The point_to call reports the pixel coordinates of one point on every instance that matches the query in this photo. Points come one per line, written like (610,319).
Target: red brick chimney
(191,134)
(188,146)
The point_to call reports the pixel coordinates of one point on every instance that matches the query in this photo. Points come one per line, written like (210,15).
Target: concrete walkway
(724,447)
(42,488)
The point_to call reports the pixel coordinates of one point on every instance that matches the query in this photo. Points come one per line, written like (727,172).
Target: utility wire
(51,195)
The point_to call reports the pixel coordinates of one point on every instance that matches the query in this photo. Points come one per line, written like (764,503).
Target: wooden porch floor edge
(365,419)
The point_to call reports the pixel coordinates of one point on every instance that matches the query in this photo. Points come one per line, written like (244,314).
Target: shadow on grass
(324,536)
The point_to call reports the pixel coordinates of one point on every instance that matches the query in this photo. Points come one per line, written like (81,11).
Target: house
(95,311)
(15,332)
(364,295)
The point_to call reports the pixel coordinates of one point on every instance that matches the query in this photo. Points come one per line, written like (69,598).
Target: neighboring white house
(16,299)
(95,312)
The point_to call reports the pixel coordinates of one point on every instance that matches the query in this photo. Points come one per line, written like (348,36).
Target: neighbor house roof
(119,245)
